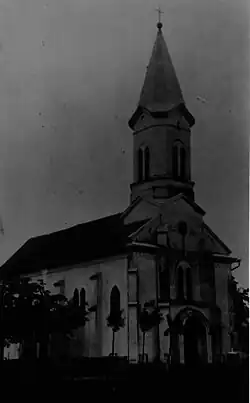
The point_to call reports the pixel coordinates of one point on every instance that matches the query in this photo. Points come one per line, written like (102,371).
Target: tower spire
(161,91)
(161,126)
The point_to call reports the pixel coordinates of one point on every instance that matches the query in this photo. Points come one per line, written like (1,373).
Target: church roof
(89,241)
(161,89)
(213,235)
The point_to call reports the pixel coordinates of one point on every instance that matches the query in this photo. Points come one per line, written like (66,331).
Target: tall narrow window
(164,284)
(180,283)
(83,298)
(189,283)
(175,162)
(163,279)
(76,297)
(179,161)
(146,163)
(182,163)
(115,300)
(140,165)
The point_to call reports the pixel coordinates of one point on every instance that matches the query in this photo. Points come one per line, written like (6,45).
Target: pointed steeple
(161,91)
(161,131)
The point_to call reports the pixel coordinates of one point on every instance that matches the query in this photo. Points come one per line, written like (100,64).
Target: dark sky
(70,77)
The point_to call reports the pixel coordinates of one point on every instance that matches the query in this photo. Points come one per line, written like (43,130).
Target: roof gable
(147,208)
(181,205)
(140,209)
(166,219)
(219,246)
(147,230)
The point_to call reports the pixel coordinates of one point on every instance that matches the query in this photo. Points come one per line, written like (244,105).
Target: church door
(195,349)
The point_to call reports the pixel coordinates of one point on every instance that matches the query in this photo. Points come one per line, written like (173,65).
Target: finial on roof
(159,24)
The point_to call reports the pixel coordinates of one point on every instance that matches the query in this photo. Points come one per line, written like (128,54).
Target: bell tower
(161,131)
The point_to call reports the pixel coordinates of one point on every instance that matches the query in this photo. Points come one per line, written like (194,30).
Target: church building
(158,251)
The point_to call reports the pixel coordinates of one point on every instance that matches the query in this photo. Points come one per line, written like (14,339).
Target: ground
(126,383)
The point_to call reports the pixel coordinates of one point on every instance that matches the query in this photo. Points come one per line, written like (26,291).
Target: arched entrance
(195,342)
(190,340)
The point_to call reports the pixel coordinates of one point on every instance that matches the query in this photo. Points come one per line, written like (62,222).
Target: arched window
(143,164)
(140,165)
(146,163)
(82,298)
(182,163)
(180,285)
(175,162)
(115,300)
(179,161)
(184,281)
(76,297)
(189,283)
(164,286)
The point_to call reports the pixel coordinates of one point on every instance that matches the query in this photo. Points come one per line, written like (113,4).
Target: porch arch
(193,337)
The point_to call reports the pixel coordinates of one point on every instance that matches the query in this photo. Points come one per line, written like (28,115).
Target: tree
(169,332)
(19,301)
(240,313)
(30,314)
(115,321)
(173,328)
(150,317)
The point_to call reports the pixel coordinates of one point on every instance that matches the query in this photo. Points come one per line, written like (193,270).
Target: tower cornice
(143,129)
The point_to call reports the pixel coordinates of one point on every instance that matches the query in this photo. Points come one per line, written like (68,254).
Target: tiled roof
(84,242)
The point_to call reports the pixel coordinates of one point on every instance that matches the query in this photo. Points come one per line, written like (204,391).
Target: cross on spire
(159,13)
